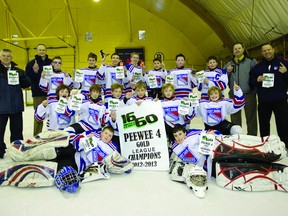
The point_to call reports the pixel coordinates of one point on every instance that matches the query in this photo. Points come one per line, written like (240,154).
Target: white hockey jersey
(171,112)
(212,113)
(108,75)
(183,81)
(188,150)
(217,77)
(91,150)
(135,71)
(160,78)
(56,121)
(57,79)
(90,78)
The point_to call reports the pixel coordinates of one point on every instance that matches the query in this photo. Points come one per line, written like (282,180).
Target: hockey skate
(94,172)
(247,148)
(252,177)
(117,164)
(40,147)
(27,174)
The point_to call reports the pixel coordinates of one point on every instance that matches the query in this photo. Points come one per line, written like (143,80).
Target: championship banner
(142,135)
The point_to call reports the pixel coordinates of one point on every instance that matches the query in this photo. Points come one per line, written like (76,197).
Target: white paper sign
(169,79)
(113,104)
(88,143)
(79,76)
(152,81)
(194,100)
(13,77)
(206,143)
(138,76)
(142,135)
(184,107)
(48,70)
(268,81)
(61,105)
(119,72)
(200,76)
(76,102)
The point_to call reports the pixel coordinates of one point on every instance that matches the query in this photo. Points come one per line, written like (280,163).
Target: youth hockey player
(58,118)
(215,110)
(214,76)
(49,84)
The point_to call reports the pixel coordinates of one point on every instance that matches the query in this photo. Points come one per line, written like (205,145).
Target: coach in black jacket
(11,98)
(270,77)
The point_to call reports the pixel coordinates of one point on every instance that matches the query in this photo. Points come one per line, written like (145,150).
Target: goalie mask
(196,180)
(67,180)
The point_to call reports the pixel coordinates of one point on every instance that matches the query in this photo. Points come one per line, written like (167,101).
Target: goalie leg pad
(252,177)
(118,164)
(40,147)
(27,174)
(239,148)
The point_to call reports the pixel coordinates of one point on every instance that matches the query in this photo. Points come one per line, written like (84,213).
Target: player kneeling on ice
(96,152)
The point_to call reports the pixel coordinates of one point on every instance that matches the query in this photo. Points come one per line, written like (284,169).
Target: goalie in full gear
(246,163)
(240,162)
(54,146)
(187,163)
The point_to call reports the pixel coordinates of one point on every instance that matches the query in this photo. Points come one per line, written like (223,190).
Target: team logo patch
(187,156)
(56,81)
(182,79)
(214,115)
(89,80)
(93,116)
(171,113)
(114,79)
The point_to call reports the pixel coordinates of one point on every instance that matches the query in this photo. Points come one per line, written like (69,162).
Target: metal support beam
(129,21)
(71,21)
(13,19)
(37,38)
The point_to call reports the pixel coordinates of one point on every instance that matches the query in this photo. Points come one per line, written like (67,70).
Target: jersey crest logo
(114,79)
(171,113)
(89,80)
(56,81)
(187,156)
(214,115)
(182,79)
(93,116)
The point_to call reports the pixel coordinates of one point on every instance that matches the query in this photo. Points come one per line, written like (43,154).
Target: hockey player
(187,162)
(91,114)
(89,76)
(140,90)
(170,105)
(182,77)
(214,76)
(109,74)
(158,74)
(58,118)
(215,110)
(135,73)
(58,77)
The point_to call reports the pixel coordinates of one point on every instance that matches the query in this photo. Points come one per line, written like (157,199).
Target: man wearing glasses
(34,69)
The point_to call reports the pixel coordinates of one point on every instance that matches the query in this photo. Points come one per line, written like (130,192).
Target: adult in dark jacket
(34,69)
(270,77)
(12,79)
(238,70)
